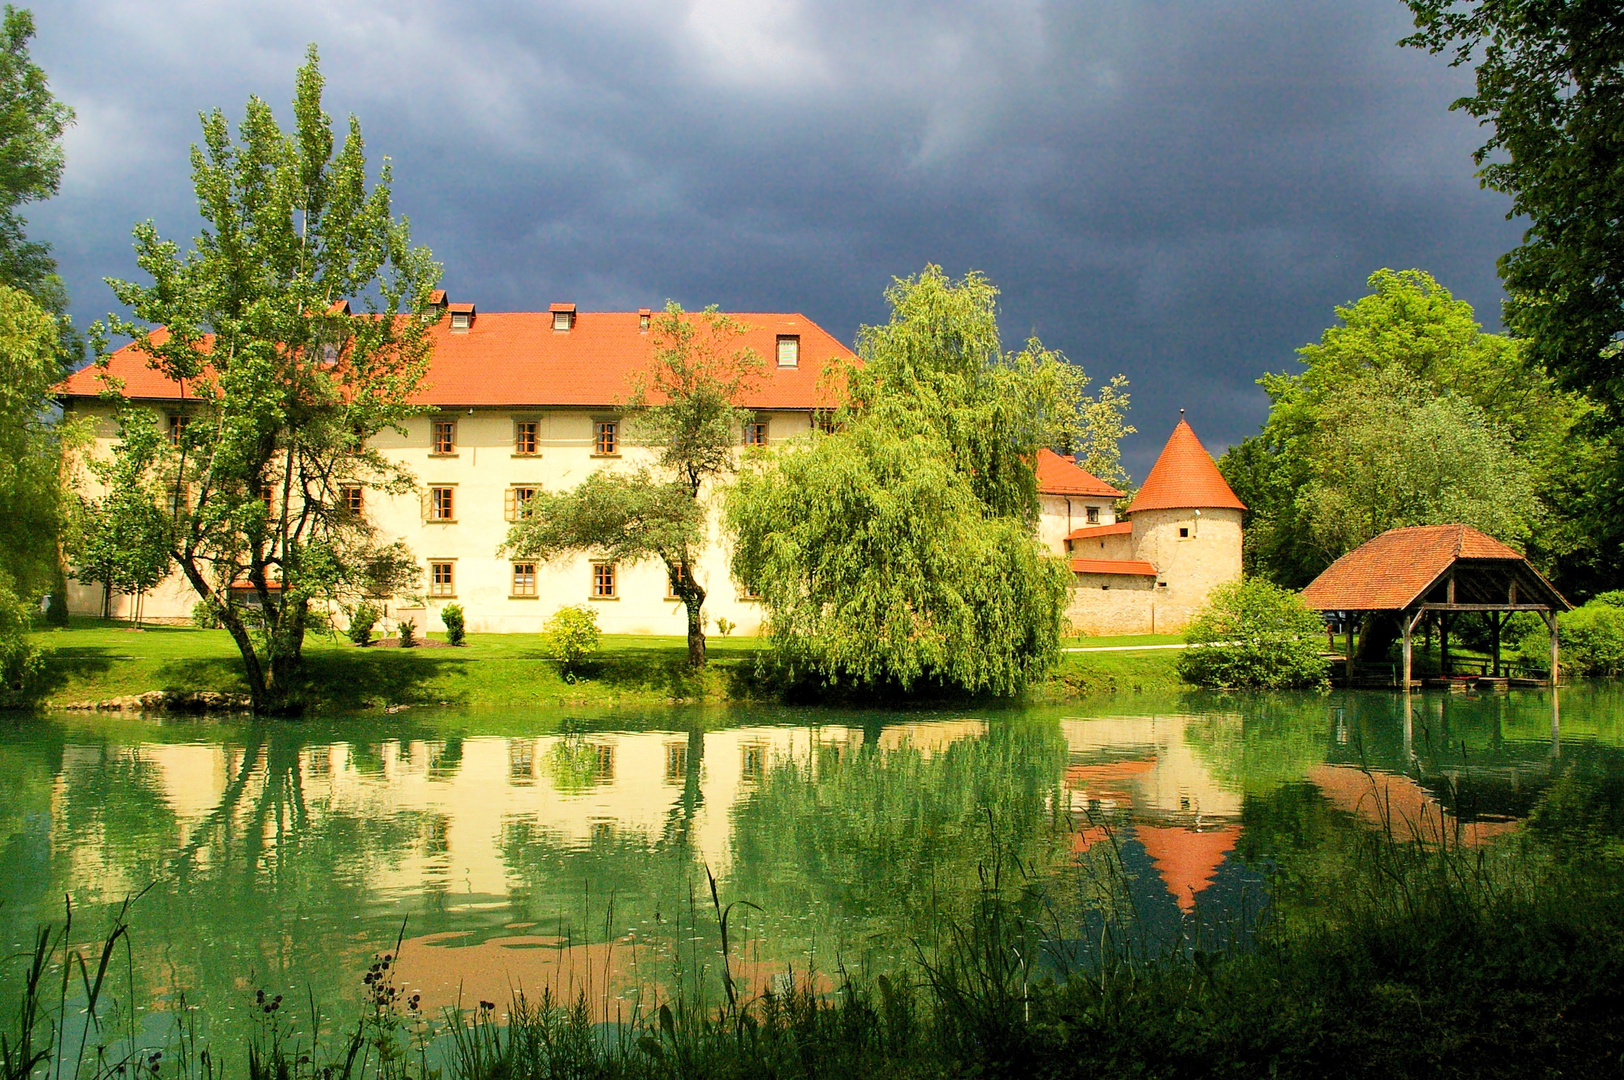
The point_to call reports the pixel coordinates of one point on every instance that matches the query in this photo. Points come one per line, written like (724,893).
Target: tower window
(1093,515)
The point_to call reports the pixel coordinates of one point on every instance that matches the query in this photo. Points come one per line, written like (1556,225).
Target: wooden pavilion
(1439,570)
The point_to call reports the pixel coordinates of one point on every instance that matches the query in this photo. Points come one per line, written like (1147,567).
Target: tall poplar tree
(283,384)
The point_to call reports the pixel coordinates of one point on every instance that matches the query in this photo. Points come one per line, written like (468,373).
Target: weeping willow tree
(898,550)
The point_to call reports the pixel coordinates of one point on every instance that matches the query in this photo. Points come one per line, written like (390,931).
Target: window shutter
(423,497)
(510,504)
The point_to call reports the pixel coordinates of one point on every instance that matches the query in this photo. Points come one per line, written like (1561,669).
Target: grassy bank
(1424,960)
(97,661)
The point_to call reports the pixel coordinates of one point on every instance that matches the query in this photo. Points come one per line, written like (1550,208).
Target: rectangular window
(524,579)
(606,438)
(352,498)
(563,320)
(524,437)
(603,581)
(517,503)
(789,350)
(445,437)
(442,581)
(1184,531)
(755,433)
(177,424)
(676,762)
(442,504)
(823,420)
(1093,515)
(267,495)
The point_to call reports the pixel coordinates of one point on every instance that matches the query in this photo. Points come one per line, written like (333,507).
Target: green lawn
(92,660)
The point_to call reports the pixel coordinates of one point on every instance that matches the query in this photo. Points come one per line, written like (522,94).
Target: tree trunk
(694,601)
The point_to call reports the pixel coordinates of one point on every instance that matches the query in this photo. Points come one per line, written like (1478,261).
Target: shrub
(1614,598)
(1591,638)
(22,665)
(572,635)
(451,615)
(725,626)
(1254,635)
(56,609)
(362,620)
(407,631)
(206,615)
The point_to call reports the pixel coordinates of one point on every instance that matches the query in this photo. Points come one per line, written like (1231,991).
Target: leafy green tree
(1422,353)
(1254,635)
(32,123)
(32,466)
(686,406)
(572,635)
(898,551)
(1550,89)
(282,384)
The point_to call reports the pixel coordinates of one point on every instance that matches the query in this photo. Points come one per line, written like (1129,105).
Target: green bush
(451,615)
(206,615)
(22,664)
(1614,598)
(1591,639)
(56,609)
(407,631)
(362,620)
(572,635)
(725,626)
(1254,635)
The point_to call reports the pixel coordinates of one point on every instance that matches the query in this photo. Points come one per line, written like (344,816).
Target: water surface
(576,849)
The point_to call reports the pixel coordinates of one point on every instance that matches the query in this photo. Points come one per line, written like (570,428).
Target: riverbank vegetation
(97,661)
(1415,954)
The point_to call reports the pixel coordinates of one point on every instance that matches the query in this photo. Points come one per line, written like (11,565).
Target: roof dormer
(643,317)
(436,306)
(563,317)
(462,317)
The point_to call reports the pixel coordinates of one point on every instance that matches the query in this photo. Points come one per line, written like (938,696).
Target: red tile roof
(1059,475)
(1186,860)
(1088,532)
(516,359)
(1389,572)
(1113,566)
(1184,476)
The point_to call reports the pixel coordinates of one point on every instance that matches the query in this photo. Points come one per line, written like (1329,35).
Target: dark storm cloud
(1177,191)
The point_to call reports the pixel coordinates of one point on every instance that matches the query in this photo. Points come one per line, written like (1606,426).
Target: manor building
(515,403)
(519,403)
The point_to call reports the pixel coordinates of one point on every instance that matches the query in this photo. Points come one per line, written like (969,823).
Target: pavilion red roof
(1059,475)
(1184,476)
(1390,571)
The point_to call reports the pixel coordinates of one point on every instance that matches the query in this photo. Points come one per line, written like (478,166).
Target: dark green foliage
(406,632)
(451,616)
(32,122)
(1549,88)
(1254,635)
(56,608)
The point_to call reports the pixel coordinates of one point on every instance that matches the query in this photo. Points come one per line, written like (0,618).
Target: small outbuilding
(1440,570)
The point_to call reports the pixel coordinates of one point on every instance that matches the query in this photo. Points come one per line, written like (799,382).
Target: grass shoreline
(95,661)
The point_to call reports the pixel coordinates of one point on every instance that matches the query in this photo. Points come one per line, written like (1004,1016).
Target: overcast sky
(1177,191)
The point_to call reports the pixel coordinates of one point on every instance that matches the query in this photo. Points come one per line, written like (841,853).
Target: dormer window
(1093,515)
(462,317)
(643,316)
(789,350)
(563,317)
(438,302)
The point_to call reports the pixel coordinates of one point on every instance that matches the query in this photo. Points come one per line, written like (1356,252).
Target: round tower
(1187,523)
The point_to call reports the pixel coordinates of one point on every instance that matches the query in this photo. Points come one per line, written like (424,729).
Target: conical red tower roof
(1184,476)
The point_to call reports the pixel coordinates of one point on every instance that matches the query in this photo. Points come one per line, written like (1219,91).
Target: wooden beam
(1485,607)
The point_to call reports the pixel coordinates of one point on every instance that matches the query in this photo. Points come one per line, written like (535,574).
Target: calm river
(571,849)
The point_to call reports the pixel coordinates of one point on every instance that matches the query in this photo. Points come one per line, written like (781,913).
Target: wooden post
(1443,635)
(1409,730)
(1496,621)
(1347,633)
(1550,621)
(1408,624)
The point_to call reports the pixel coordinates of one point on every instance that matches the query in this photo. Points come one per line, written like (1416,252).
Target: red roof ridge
(1184,476)
(1389,571)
